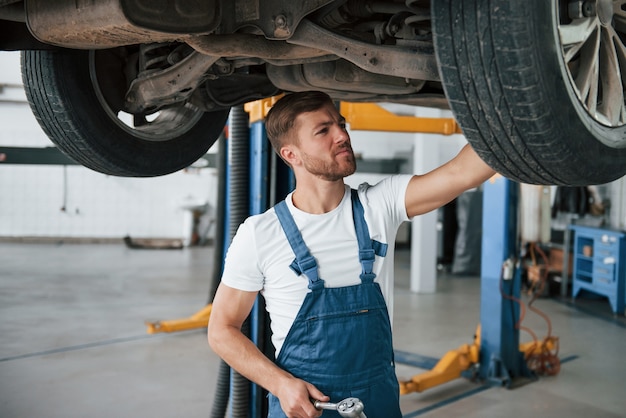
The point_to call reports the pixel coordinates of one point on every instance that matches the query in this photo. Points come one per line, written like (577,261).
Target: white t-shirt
(259,256)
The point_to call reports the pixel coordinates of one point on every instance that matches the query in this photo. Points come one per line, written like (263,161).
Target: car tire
(72,102)
(513,77)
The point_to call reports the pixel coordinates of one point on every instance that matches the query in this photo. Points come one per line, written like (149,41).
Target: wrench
(348,408)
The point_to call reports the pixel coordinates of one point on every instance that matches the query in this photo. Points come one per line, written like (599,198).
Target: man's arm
(230,309)
(438,187)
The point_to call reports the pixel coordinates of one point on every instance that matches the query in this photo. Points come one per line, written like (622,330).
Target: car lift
(496,356)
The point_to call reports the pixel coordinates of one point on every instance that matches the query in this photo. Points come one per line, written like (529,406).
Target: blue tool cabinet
(600,264)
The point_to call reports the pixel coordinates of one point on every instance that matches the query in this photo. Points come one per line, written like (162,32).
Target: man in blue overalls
(323,260)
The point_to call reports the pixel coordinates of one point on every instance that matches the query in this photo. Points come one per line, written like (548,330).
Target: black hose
(222,388)
(240,386)
(222,391)
(239,163)
(238,195)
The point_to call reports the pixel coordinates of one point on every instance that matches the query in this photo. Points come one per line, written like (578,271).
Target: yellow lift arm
(198,320)
(372,117)
(448,368)
(455,362)
(369,117)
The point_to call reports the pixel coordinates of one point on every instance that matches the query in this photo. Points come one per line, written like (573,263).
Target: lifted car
(144,87)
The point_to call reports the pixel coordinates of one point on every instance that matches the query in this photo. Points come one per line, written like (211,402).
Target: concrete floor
(73,341)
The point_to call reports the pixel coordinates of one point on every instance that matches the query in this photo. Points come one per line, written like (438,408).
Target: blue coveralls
(340,340)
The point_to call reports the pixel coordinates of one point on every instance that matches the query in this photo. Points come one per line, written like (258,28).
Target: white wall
(72,201)
(18,125)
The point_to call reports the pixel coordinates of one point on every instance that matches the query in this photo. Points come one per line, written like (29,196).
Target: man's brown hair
(282,116)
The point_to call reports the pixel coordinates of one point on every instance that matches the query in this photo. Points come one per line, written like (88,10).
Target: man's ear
(289,154)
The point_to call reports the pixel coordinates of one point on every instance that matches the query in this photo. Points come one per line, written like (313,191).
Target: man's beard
(332,170)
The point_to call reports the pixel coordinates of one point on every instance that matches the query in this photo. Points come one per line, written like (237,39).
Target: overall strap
(368,248)
(304,262)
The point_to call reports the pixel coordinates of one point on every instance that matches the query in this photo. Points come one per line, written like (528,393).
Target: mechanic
(323,260)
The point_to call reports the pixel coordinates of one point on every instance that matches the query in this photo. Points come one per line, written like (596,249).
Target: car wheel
(538,86)
(77,98)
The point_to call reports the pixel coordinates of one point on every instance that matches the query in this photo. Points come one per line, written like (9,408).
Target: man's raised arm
(436,188)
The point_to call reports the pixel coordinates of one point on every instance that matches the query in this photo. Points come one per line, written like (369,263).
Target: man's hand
(230,309)
(295,399)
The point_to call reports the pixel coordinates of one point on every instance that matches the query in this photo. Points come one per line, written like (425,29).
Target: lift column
(270,181)
(500,358)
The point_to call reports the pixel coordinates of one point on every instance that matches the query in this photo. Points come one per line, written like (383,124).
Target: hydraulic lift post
(270,181)
(259,198)
(501,360)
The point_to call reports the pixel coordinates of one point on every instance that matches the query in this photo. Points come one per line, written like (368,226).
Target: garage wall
(18,126)
(55,201)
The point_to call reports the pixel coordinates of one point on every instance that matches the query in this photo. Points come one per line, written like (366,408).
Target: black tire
(505,74)
(77,108)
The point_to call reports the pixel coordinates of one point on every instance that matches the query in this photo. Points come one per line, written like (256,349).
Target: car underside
(537,87)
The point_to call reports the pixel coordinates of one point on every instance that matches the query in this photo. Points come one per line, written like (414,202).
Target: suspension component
(167,86)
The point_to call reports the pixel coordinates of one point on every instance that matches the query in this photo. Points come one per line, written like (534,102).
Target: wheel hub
(604,10)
